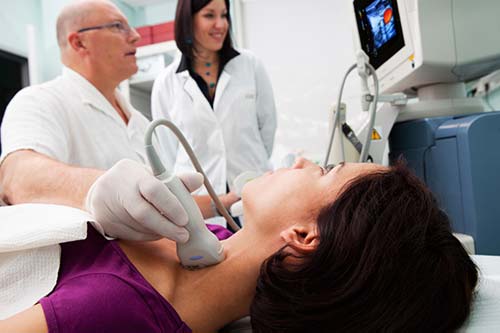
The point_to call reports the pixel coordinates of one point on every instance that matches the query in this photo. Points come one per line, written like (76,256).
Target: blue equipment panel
(459,159)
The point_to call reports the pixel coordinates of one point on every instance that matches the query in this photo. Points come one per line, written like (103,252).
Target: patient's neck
(217,295)
(209,298)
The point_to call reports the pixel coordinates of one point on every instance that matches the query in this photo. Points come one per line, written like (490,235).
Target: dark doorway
(13,77)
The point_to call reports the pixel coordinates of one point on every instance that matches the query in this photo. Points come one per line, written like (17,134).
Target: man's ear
(75,42)
(301,238)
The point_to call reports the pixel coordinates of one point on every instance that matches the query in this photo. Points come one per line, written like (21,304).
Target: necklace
(208,73)
(207,70)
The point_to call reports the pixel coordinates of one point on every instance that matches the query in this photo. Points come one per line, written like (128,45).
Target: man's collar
(91,95)
(88,92)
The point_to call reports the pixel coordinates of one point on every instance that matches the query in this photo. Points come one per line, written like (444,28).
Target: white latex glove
(130,203)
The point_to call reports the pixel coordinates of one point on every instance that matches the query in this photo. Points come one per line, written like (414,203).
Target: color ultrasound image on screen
(379,28)
(381,19)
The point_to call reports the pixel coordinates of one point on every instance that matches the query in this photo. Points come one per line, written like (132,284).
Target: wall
(42,14)
(306,46)
(306,49)
(14,18)
(133,14)
(493,100)
(148,15)
(159,13)
(50,58)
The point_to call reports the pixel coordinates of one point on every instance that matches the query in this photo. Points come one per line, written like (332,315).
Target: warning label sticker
(376,135)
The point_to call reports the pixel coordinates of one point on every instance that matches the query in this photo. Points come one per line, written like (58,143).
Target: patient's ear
(301,238)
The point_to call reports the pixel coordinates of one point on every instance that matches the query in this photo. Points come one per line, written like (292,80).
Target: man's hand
(130,203)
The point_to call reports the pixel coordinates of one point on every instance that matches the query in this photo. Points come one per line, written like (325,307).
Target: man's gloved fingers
(162,226)
(127,219)
(162,201)
(148,217)
(192,180)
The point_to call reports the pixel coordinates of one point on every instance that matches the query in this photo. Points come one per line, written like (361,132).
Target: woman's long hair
(183,26)
(386,262)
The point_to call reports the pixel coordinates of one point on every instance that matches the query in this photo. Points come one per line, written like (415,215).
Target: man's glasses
(118,26)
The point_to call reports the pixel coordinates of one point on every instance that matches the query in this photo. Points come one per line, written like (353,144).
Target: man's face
(110,50)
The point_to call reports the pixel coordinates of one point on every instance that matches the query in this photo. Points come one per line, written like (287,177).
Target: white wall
(160,13)
(14,17)
(50,62)
(306,46)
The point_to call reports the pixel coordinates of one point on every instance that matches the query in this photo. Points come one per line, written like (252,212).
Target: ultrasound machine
(423,59)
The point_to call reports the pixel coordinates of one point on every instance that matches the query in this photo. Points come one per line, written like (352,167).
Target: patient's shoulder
(103,302)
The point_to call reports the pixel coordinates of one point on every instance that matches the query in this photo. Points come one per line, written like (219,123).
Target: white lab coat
(237,135)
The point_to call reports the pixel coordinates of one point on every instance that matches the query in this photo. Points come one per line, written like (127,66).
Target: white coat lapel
(193,91)
(221,86)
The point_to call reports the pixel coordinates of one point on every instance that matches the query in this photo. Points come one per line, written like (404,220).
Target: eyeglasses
(118,26)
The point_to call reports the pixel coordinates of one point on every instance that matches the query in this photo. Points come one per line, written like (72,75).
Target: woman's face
(210,26)
(298,193)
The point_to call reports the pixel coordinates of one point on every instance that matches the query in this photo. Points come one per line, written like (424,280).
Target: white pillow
(485,315)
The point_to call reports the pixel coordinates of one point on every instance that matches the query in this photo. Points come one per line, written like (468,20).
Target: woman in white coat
(220,98)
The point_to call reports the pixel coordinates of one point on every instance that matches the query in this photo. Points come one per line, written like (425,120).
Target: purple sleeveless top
(100,290)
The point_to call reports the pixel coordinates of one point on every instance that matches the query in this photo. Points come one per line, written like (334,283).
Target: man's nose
(134,36)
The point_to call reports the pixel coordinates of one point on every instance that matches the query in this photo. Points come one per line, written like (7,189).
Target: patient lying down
(358,248)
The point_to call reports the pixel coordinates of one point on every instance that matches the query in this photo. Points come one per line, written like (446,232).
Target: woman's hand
(229,199)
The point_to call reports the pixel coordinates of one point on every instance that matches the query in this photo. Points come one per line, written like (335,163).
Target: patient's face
(298,193)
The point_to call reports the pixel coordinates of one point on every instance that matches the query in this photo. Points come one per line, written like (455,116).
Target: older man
(60,136)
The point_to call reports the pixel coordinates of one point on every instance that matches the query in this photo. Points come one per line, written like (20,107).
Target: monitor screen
(379,28)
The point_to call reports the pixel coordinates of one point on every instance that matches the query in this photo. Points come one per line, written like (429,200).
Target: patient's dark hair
(386,262)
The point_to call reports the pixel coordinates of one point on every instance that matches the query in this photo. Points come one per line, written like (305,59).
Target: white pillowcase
(485,315)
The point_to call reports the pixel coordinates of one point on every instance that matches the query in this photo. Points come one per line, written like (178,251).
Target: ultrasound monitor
(416,43)
(380,31)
